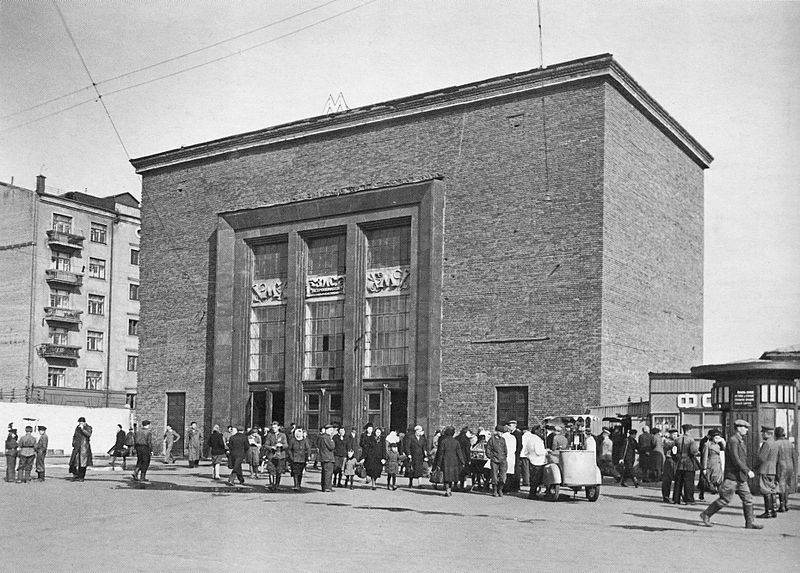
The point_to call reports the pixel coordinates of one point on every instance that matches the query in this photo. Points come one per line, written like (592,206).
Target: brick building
(69,302)
(525,245)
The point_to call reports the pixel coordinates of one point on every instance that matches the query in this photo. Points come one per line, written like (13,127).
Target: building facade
(70,297)
(518,247)
(678,398)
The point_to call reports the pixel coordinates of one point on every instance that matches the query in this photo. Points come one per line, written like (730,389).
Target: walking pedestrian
(417,451)
(170,437)
(118,449)
(217,450)
(735,479)
(497,454)
(605,457)
(339,455)
(41,452)
(298,452)
(193,441)
(711,473)
(12,445)
(686,466)
(26,454)
(768,471)
(450,459)
(278,446)
(628,459)
(392,465)
(144,443)
(349,469)
(81,457)
(327,459)
(787,462)
(238,446)
(130,444)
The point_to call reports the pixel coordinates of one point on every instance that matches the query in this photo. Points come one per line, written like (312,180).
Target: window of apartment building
(62,223)
(97,268)
(130,400)
(133,363)
(268,313)
(94,380)
(98,233)
(97,303)
(61,261)
(94,340)
(59,335)
(133,292)
(56,376)
(135,257)
(133,327)
(59,298)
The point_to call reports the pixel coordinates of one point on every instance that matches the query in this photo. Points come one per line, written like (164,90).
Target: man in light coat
(534,450)
(511,458)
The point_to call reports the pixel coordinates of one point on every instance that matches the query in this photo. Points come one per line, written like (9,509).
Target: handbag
(361,471)
(436,475)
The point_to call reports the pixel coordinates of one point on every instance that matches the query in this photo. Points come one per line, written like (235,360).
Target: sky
(175,73)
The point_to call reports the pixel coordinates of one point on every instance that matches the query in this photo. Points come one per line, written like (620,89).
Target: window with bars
(268,313)
(94,380)
(94,340)
(62,223)
(59,336)
(62,261)
(97,304)
(56,377)
(97,268)
(323,356)
(97,233)
(59,298)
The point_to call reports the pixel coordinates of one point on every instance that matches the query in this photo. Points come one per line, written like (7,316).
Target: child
(349,469)
(392,466)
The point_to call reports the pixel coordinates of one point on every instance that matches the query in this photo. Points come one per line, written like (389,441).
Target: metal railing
(59,314)
(59,351)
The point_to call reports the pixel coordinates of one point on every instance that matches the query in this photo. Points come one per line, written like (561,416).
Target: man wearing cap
(144,444)
(628,459)
(277,446)
(668,470)
(497,454)
(27,443)
(326,457)
(686,465)
(767,471)
(238,446)
(41,451)
(736,474)
(787,462)
(81,457)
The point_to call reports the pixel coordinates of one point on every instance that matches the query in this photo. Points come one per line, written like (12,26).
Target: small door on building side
(321,407)
(512,404)
(176,418)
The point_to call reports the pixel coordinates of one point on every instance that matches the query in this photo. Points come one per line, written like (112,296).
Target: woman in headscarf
(450,459)
(416,449)
(298,451)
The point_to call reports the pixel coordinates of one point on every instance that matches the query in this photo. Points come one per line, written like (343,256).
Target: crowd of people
(499,461)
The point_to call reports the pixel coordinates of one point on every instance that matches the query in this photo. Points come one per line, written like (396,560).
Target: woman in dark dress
(415,447)
(372,451)
(450,459)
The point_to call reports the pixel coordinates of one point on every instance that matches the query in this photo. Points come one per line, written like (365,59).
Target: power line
(194,67)
(168,60)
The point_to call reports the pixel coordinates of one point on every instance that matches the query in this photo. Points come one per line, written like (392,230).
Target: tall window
(133,292)
(94,380)
(323,356)
(98,233)
(135,257)
(97,303)
(94,340)
(133,327)
(133,363)
(268,313)
(59,298)
(61,261)
(56,376)
(387,302)
(97,268)
(62,223)
(59,336)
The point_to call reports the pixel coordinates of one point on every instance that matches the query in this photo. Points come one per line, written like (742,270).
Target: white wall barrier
(62,420)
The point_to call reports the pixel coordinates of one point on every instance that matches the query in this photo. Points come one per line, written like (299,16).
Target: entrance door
(176,418)
(378,403)
(512,404)
(321,408)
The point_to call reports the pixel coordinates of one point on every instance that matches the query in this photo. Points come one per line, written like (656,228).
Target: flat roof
(748,369)
(535,80)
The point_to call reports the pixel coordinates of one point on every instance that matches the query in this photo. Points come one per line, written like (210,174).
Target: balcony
(63,351)
(53,314)
(64,277)
(62,239)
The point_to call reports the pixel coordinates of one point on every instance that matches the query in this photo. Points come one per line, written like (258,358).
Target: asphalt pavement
(184,521)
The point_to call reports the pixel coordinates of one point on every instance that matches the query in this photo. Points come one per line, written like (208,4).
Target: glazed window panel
(267,343)
(386,337)
(326,255)
(97,304)
(97,233)
(94,380)
(59,298)
(62,223)
(97,268)
(94,340)
(323,345)
(270,261)
(56,376)
(62,261)
(389,247)
(59,336)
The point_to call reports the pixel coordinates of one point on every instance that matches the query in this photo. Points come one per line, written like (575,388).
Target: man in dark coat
(277,444)
(464,441)
(81,457)
(118,449)
(417,451)
(628,459)
(735,479)
(351,443)
(687,464)
(41,452)
(668,470)
(767,471)
(339,455)
(497,454)
(238,446)
(787,462)
(144,443)
(326,458)
(450,459)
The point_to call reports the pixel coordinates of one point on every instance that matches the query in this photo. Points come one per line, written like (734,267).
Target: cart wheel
(551,494)
(592,492)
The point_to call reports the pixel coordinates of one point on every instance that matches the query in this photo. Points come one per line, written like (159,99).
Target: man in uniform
(144,444)
(326,457)
(688,462)
(767,471)
(27,452)
(277,446)
(735,479)
(41,451)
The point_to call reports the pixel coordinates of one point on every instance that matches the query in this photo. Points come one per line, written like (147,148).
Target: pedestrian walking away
(27,453)
(118,449)
(787,464)
(41,452)
(450,459)
(686,466)
(735,479)
(218,451)
(81,457)
(238,447)
(144,444)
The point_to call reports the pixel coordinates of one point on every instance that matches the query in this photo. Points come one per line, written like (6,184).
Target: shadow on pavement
(691,522)
(648,528)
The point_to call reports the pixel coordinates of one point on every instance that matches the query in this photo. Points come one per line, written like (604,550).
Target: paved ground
(185,521)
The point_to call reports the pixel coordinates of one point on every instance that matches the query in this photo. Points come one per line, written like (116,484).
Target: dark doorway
(512,404)
(176,418)
(278,408)
(258,401)
(398,411)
